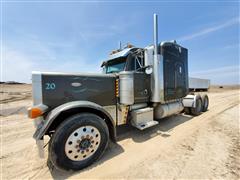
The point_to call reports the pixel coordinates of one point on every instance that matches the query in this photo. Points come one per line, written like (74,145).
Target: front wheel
(78,142)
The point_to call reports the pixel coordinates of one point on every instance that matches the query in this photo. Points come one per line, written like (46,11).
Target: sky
(73,36)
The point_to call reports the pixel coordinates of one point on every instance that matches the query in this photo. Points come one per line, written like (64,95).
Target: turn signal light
(117,88)
(36,111)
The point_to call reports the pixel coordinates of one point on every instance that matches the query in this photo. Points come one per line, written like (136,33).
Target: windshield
(115,66)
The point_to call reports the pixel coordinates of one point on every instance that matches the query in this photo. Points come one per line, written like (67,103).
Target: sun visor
(122,53)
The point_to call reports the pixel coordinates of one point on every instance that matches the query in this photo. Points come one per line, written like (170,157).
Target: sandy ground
(182,146)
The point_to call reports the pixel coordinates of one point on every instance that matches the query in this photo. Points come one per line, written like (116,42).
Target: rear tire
(205,102)
(198,109)
(78,142)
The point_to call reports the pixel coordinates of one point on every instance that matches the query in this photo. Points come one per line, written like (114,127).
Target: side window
(139,62)
(132,64)
(135,60)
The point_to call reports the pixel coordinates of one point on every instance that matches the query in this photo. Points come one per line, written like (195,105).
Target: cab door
(142,90)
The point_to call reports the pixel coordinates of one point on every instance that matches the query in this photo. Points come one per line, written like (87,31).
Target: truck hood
(59,88)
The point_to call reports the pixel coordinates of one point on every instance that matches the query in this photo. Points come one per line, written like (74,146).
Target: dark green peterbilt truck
(81,112)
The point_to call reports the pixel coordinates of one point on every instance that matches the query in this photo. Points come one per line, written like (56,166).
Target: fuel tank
(168,109)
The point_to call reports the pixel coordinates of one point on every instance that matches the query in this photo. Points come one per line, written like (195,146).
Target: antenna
(120,45)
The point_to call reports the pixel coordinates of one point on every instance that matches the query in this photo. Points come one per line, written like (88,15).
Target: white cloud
(222,75)
(104,30)
(220,69)
(28,52)
(96,35)
(17,66)
(230,46)
(21,58)
(210,29)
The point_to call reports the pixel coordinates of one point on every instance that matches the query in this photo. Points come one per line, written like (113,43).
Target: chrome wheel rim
(82,143)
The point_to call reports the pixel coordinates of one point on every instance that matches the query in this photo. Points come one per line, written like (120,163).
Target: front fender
(52,115)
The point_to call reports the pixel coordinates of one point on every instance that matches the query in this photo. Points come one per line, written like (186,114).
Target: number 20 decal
(50,86)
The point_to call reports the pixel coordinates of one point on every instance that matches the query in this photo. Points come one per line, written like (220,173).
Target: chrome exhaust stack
(157,76)
(155,33)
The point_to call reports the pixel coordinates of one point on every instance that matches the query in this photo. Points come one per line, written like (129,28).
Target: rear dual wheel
(205,102)
(198,106)
(78,142)
(201,105)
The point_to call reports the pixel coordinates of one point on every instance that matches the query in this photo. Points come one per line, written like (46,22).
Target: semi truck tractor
(81,112)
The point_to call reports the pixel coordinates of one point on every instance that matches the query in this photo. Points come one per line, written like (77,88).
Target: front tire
(78,142)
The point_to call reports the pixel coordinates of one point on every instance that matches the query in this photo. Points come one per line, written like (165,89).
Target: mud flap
(40,146)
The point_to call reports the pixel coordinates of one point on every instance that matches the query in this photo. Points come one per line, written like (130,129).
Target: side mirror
(103,63)
(149,70)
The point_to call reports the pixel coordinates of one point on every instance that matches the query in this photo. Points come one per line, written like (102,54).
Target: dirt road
(207,146)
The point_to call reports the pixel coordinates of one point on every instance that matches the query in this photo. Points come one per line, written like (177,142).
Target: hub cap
(82,143)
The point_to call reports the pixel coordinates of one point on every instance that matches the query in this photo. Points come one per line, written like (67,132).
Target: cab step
(143,118)
(146,125)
